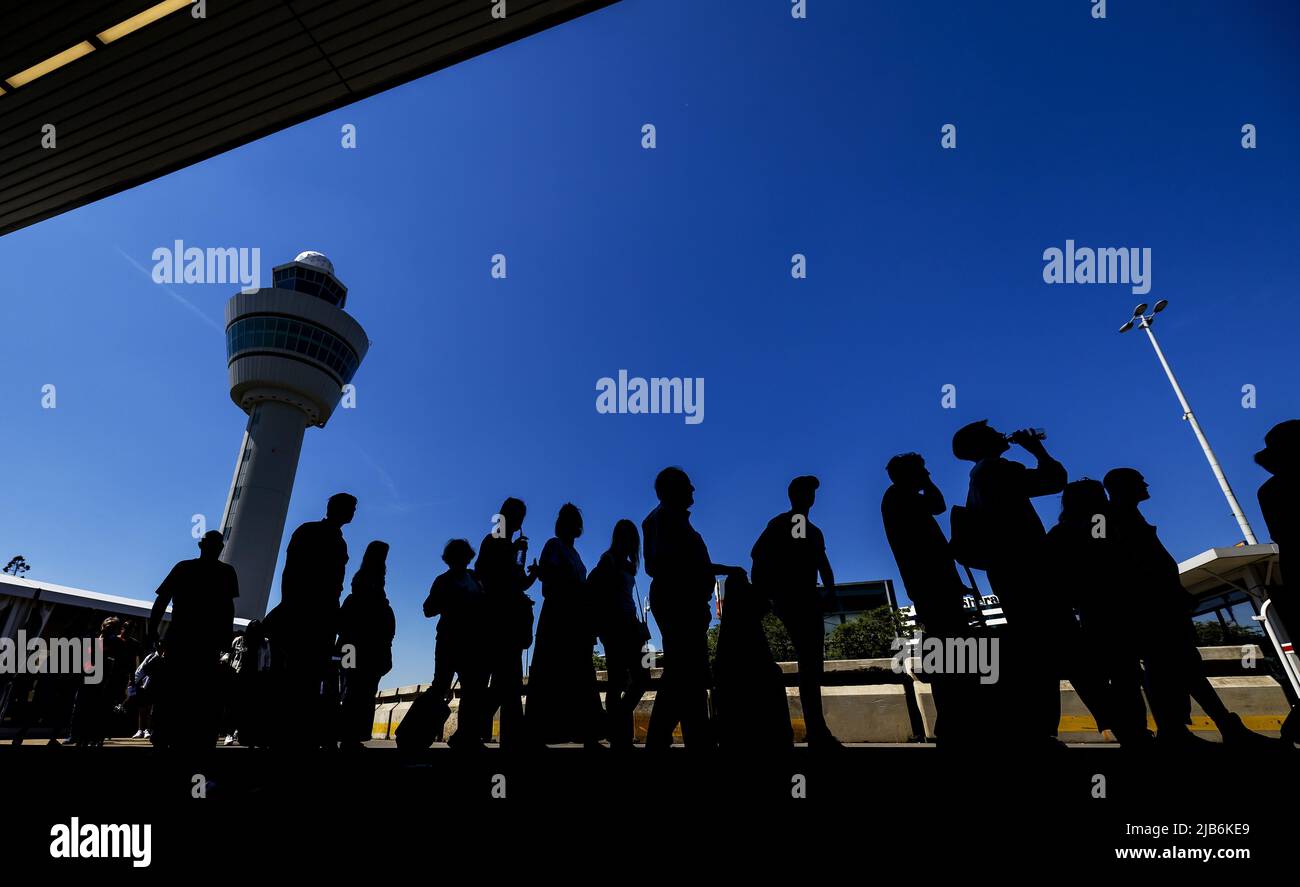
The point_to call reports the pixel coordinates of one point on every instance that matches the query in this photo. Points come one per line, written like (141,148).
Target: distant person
(788,557)
(136,716)
(623,633)
(202,595)
(367,626)
(305,623)
(1279,500)
(563,704)
(1012,546)
(925,564)
(501,570)
(682,580)
(461,605)
(93,710)
(1098,653)
(1173,664)
(253,694)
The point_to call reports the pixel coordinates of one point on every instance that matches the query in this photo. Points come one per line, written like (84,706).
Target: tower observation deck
(290,349)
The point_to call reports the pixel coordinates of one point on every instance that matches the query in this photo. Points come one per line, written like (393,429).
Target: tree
(869,636)
(17,566)
(778,639)
(1217,634)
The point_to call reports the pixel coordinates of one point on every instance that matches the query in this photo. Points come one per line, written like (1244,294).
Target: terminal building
(849,600)
(34,609)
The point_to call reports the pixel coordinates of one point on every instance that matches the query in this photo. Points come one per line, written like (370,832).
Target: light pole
(1144,321)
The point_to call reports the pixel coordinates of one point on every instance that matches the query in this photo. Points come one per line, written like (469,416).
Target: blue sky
(774,136)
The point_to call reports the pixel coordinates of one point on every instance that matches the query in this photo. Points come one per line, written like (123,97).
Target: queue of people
(1058,591)
(321,656)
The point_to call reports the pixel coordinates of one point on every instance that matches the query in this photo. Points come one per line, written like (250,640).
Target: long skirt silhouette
(749,696)
(563,702)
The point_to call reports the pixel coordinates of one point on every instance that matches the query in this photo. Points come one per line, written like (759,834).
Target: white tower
(290,348)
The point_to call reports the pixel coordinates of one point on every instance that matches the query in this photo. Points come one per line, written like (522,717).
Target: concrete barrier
(865,700)
(381,728)
(1257,699)
(873,713)
(395,716)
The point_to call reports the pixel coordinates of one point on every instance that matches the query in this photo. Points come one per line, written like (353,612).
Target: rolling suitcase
(423,723)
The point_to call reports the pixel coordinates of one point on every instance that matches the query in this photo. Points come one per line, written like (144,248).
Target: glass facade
(1227,618)
(298,336)
(310,281)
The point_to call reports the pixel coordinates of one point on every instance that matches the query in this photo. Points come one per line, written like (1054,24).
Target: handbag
(642,627)
(522,621)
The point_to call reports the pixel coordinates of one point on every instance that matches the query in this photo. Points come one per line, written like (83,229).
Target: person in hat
(1279,500)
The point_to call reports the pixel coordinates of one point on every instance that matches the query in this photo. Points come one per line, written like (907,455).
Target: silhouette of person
(92,713)
(682,578)
(622,632)
(253,692)
(500,569)
(1000,497)
(1279,500)
(305,623)
(1172,661)
(752,709)
(926,566)
(202,595)
(367,626)
(461,605)
(1098,653)
(563,704)
(787,558)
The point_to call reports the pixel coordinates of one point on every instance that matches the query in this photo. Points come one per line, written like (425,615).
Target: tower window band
(298,336)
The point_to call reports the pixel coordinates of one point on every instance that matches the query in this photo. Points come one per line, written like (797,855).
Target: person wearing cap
(1001,497)
(788,557)
(1279,500)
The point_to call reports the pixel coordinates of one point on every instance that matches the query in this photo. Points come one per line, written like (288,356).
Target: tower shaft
(258,502)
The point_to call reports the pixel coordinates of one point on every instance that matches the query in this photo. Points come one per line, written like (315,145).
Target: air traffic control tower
(290,348)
